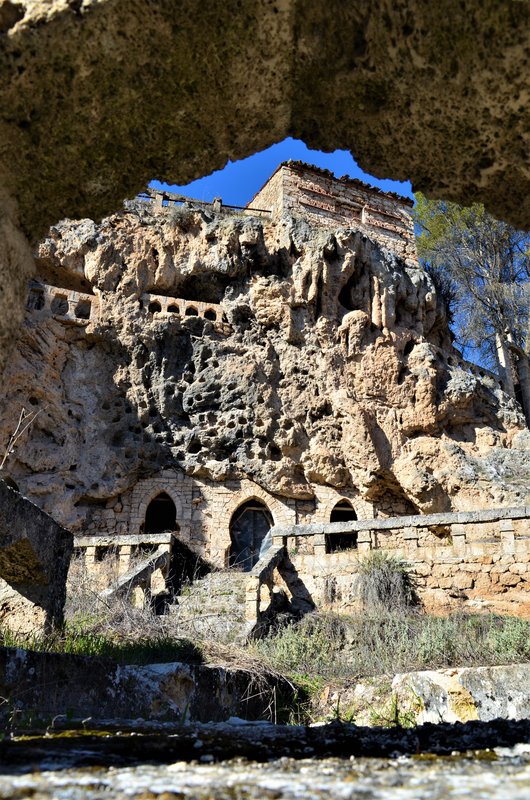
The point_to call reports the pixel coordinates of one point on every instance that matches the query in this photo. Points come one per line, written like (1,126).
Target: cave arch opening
(161,515)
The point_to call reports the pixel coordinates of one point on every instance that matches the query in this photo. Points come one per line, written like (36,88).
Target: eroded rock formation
(100,96)
(333,365)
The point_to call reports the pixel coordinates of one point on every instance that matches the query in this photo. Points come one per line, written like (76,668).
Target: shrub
(336,649)
(385,582)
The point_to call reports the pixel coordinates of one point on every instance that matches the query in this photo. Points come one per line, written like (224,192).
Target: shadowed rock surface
(43,685)
(34,559)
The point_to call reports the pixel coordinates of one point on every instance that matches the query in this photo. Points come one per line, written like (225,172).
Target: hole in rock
(409,347)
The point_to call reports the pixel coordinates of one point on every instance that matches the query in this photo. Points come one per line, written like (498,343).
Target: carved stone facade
(204,512)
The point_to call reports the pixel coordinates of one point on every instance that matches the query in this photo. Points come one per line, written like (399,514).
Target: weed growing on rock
(327,648)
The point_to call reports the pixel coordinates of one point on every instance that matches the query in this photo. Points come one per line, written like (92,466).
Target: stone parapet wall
(63,304)
(479,558)
(161,304)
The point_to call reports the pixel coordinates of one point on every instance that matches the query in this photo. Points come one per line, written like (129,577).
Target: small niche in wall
(82,309)
(35,299)
(59,305)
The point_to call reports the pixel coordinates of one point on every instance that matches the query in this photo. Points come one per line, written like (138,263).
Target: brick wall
(480,560)
(204,510)
(331,202)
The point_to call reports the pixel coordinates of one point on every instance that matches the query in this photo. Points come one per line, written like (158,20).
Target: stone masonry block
(35,555)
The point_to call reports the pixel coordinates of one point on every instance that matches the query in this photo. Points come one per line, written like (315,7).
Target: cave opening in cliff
(161,515)
(209,287)
(343,511)
(249,527)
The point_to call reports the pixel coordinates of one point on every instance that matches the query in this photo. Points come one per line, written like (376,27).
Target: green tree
(482,266)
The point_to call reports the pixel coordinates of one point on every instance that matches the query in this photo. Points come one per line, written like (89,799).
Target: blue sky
(239,181)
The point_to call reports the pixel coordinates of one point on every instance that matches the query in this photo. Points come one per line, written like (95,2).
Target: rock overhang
(102,96)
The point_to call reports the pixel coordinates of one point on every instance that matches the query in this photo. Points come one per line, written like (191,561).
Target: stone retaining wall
(480,558)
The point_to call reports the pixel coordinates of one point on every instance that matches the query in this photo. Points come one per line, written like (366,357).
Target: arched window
(173,309)
(343,511)
(191,311)
(249,527)
(154,307)
(210,314)
(161,515)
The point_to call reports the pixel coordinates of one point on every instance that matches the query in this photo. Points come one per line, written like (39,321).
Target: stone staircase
(213,607)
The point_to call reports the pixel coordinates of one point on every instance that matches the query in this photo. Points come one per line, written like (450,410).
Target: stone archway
(161,515)
(342,511)
(249,526)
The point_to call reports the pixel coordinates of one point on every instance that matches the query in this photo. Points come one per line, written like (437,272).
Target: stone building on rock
(204,373)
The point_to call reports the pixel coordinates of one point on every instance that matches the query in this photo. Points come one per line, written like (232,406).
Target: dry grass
(329,648)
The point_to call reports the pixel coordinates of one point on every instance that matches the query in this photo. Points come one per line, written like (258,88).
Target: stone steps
(212,607)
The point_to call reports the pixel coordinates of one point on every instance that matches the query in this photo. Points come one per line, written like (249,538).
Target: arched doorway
(161,515)
(249,526)
(343,511)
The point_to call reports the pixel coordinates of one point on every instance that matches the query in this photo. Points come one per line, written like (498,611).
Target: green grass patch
(328,648)
(75,641)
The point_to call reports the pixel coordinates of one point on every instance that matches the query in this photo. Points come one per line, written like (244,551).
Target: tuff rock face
(98,97)
(334,366)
